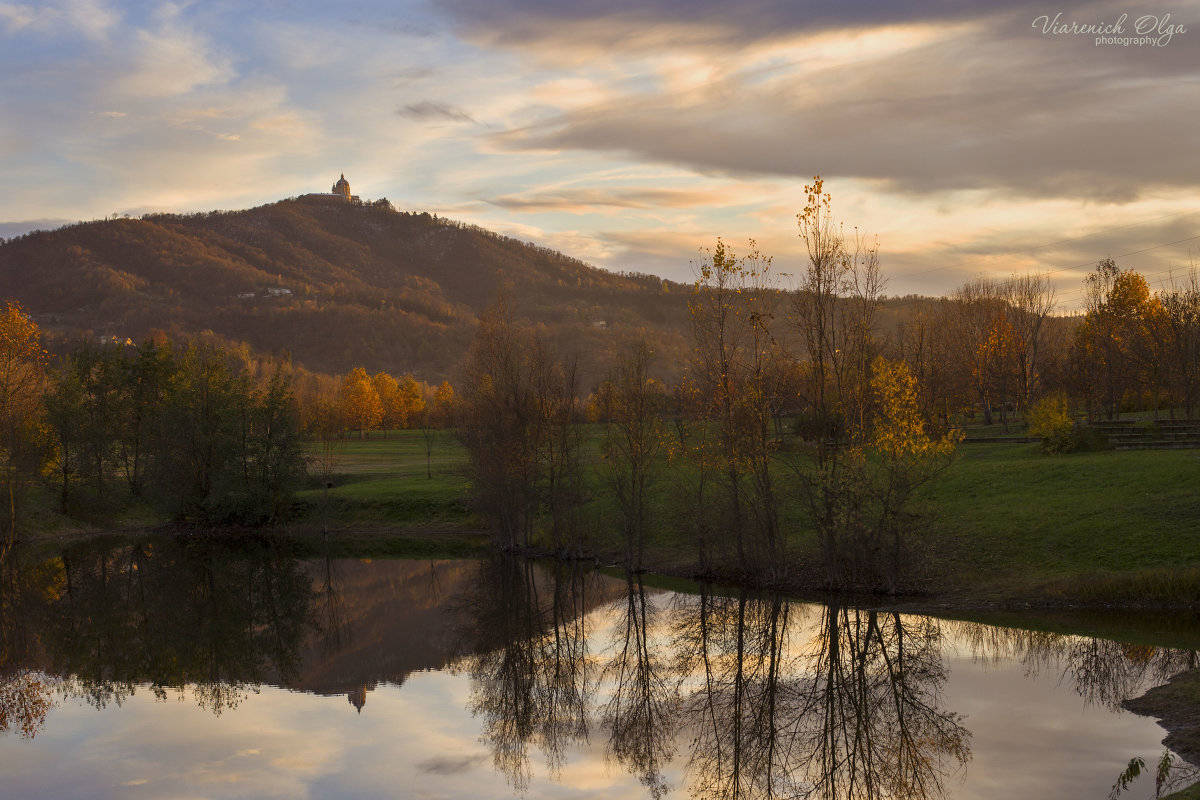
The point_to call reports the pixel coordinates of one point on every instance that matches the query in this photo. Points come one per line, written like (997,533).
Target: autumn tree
(361,407)
(861,500)
(499,425)
(995,363)
(22,376)
(391,410)
(410,398)
(984,342)
(1113,338)
(144,388)
(400,400)
(228,451)
(558,440)
(926,342)
(870,448)
(86,407)
(1177,334)
(1031,301)
(907,456)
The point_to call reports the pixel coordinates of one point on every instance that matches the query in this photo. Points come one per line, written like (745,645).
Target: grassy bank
(1005,523)
(1091,527)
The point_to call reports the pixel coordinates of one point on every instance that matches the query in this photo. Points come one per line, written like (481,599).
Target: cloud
(573,32)
(18,17)
(582,200)
(88,17)
(431,110)
(452,765)
(172,60)
(964,109)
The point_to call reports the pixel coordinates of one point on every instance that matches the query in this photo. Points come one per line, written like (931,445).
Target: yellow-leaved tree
(410,401)
(360,402)
(907,456)
(387,389)
(862,495)
(22,383)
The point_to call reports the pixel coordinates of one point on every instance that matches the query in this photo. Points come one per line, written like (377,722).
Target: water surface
(213,670)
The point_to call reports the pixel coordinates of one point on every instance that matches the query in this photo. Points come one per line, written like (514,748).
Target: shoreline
(456,542)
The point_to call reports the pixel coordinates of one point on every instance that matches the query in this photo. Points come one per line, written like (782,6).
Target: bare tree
(500,425)
(1031,301)
(834,312)
(631,404)
(734,371)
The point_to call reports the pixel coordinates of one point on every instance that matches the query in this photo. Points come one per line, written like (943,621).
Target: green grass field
(1005,521)
(385,483)
(1009,508)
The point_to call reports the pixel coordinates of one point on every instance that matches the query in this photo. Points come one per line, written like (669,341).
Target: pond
(172,669)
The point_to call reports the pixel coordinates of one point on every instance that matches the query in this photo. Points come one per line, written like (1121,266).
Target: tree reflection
(874,726)
(775,700)
(641,713)
(733,649)
(330,607)
(531,677)
(1102,671)
(26,694)
(216,617)
(25,699)
(853,712)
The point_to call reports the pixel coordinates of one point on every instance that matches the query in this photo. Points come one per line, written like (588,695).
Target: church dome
(342,186)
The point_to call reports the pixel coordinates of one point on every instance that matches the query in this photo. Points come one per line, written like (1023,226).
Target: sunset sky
(971,138)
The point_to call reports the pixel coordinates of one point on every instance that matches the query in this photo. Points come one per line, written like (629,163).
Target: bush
(1050,420)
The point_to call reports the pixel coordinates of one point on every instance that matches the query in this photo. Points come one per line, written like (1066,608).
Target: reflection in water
(876,686)
(1101,671)
(708,695)
(331,610)
(848,708)
(26,693)
(761,698)
(25,698)
(734,646)
(111,617)
(772,707)
(641,713)
(531,676)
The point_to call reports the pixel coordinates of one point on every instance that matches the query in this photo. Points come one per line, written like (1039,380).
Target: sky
(969,139)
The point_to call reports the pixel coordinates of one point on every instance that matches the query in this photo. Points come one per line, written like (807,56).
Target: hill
(333,285)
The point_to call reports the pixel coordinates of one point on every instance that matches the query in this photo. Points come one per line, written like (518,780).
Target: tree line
(183,429)
(799,410)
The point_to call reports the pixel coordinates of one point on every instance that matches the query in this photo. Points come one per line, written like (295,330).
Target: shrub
(1050,420)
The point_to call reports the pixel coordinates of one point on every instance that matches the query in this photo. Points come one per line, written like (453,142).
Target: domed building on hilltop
(339,193)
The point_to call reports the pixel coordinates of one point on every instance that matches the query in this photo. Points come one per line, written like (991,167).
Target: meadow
(1004,524)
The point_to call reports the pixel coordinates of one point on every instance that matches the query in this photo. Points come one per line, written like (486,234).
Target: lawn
(1007,512)
(1003,521)
(382,482)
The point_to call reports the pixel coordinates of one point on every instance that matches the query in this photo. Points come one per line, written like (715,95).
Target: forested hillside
(331,284)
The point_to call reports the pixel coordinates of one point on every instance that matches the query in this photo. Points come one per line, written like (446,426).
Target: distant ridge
(333,285)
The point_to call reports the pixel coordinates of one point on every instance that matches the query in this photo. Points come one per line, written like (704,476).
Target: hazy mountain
(333,284)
